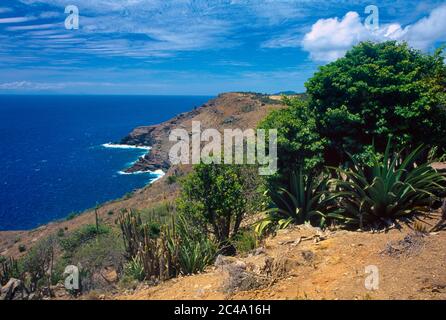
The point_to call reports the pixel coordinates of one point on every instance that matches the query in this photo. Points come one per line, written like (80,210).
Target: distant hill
(287,93)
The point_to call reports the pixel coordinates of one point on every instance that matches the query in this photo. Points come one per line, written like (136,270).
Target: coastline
(245,109)
(159,173)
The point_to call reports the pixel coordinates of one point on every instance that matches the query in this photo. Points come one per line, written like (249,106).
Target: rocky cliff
(227,111)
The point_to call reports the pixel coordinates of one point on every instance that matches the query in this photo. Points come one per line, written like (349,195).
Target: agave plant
(307,199)
(390,188)
(194,249)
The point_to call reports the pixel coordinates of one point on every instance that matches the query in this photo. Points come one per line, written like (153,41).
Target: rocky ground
(306,263)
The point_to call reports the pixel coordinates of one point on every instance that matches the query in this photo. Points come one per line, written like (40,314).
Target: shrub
(195,250)
(134,269)
(393,187)
(37,264)
(213,196)
(73,241)
(61,232)
(377,91)
(128,195)
(22,248)
(94,256)
(159,214)
(299,145)
(306,199)
(172,179)
(245,241)
(179,248)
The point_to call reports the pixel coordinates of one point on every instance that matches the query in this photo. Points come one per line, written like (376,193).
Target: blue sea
(53,161)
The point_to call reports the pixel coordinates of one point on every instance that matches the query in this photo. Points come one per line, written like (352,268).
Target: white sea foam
(125,146)
(159,173)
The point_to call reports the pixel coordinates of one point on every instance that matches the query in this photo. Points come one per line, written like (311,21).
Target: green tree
(377,91)
(216,197)
(299,145)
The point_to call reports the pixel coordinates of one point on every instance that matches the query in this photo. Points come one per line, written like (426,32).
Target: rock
(259,251)
(59,291)
(110,275)
(224,262)
(13,290)
(33,296)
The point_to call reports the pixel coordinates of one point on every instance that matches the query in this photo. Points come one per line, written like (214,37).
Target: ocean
(54,155)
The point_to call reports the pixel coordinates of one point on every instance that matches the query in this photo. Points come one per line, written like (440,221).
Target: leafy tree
(377,91)
(299,145)
(217,197)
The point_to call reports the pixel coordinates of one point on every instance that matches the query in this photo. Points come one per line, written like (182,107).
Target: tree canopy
(377,91)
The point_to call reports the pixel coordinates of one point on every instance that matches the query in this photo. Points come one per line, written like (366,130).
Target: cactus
(8,269)
(153,252)
(177,248)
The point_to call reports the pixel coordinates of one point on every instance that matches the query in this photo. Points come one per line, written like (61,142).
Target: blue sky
(193,46)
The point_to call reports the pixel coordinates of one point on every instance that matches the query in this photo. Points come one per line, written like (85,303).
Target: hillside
(229,110)
(305,263)
(301,262)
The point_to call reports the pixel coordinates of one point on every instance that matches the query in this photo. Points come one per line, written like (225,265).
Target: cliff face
(227,111)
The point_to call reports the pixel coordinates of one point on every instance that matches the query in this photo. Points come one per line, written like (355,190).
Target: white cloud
(16,19)
(428,30)
(20,85)
(31,27)
(285,41)
(329,39)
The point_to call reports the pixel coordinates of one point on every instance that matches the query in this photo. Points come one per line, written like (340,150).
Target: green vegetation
(377,91)
(8,269)
(37,264)
(104,251)
(60,233)
(172,179)
(79,237)
(299,145)
(245,241)
(160,213)
(134,269)
(307,199)
(390,188)
(216,198)
(195,250)
(336,164)
(179,248)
